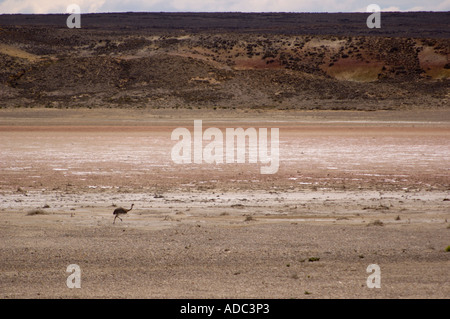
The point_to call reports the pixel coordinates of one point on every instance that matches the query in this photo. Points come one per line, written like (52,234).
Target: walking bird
(121,211)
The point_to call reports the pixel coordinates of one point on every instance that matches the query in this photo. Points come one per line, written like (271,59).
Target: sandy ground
(353,189)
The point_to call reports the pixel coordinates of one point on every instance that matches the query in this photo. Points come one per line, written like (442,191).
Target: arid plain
(86,117)
(352,189)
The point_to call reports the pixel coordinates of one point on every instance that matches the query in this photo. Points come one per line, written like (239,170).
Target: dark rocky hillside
(280,61)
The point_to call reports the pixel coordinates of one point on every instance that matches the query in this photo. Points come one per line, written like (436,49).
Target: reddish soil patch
(355,70)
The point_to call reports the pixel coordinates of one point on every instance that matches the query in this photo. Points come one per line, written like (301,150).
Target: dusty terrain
(86,117)
(353,189)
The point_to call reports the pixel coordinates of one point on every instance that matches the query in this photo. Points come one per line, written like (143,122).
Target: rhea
(121,211)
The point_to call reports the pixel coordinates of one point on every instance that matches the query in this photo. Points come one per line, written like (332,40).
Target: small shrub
(249,218)
(376,223)
(36,212)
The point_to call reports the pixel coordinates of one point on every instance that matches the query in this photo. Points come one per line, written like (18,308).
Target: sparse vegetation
(36,212)
(376,222)
(155,80)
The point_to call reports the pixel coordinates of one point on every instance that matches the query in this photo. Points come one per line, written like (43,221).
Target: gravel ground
(309,231)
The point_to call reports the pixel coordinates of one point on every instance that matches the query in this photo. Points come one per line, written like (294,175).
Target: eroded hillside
(151,68)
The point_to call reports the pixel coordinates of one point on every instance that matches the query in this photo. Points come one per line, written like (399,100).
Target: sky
(93,6)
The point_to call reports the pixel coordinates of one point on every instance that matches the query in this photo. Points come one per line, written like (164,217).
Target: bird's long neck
(130,208)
